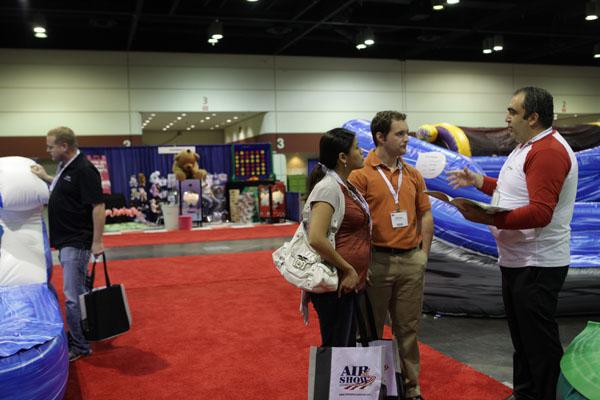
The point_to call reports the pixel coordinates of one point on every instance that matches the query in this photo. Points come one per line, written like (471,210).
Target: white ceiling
(191,121)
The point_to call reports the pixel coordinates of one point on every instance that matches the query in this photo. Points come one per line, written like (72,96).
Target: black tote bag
(393,378)
(104,310)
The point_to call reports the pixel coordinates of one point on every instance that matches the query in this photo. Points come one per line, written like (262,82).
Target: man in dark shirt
(76,216)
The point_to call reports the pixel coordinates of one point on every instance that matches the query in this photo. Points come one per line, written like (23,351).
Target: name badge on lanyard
(399,218)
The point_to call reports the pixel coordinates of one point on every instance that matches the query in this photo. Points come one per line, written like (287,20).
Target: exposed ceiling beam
(174,7)
(304,10)
(315,26)
(270,5)
(134,22)
(558,49)
(479,27)
(194,19)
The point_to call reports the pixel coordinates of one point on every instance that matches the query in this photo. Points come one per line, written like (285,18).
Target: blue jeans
(75,263)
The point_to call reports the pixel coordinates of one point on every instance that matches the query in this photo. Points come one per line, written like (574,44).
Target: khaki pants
(396,285)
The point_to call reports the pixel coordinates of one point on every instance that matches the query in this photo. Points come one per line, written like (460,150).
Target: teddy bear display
(185,166)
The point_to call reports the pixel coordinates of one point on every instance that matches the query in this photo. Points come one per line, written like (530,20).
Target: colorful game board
(251,161)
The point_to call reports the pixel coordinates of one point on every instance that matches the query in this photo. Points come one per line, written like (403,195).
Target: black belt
(392,250)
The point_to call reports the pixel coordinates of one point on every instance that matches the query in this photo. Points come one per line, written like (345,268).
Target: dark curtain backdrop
(497,141)
(126,161)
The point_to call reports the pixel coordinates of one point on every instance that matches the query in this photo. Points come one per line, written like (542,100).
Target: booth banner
(101,165)
(175,149)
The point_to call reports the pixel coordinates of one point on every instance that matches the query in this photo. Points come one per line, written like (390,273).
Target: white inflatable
(33,346)
(23,244)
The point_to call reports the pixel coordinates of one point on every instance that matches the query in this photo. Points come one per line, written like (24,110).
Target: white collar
(539,136)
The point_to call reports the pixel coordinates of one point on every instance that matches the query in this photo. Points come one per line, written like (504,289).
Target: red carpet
(211,235)
(224,327)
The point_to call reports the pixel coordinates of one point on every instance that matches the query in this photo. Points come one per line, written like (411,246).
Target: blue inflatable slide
(462,276)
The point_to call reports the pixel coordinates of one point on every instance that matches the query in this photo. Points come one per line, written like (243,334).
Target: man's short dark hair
(382,122)
(63,135)
(540,101)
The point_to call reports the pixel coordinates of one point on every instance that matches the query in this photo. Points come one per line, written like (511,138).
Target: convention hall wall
(100,94)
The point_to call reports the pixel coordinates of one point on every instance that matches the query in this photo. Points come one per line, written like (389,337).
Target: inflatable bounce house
(463,277)
(33,347)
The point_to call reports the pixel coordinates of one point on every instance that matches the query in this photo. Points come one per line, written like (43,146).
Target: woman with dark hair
(334,202)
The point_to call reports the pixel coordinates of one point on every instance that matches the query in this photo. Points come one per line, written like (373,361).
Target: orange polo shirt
(381,201)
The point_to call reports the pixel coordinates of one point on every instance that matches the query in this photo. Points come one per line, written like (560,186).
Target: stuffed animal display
(185,166)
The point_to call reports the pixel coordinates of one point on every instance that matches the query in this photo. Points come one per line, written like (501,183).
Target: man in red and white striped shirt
(538,183)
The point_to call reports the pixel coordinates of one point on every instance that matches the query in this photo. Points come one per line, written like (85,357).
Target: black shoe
(74,355)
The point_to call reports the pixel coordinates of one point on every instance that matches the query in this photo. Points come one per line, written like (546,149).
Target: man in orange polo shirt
(402,234)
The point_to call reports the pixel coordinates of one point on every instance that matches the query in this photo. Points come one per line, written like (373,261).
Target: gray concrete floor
(482,343)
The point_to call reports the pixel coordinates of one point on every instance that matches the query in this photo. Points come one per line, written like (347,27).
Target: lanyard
(355,195)
(61,168)
(395,194)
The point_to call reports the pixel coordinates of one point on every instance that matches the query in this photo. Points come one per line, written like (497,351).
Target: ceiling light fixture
(597,50)
(498,42)
(437,5)
(252,1)
(38,25)
(215,30)
(452,1)
(591,10)
(487,46)
(369,37)
(365,38)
